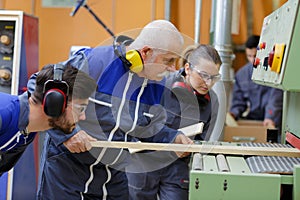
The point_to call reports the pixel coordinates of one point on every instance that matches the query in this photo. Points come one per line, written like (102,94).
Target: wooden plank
(192,130)
(214,149)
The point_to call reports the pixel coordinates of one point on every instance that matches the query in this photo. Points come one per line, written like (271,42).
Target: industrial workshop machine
(234,177)
(18,60)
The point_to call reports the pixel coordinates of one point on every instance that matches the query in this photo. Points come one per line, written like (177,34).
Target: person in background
(126,107)
(24,115)
(253,101)
(188,100)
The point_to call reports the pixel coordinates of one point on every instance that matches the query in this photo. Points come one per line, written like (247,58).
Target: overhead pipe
(153,10)
(223,43)
(198,5)
(168,10)
(221,40)
(249,17)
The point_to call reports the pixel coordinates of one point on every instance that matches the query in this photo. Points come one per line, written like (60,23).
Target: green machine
(235,177)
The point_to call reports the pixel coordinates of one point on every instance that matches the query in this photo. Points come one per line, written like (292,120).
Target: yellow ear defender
(132,58)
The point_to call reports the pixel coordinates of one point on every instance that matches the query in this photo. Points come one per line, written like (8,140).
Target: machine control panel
(275,63)
(18,60)
(7,29)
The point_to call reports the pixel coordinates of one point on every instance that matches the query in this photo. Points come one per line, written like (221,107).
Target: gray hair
(159,34)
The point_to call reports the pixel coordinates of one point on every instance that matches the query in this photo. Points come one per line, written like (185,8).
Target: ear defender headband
(56,93)
(132,58)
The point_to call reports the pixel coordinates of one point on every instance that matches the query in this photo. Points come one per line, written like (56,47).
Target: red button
(262,45)
(256,62)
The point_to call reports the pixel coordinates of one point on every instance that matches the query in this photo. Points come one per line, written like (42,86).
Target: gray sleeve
(78,60)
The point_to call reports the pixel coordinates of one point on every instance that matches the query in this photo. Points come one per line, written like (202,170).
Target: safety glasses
(80,108)
(205,76)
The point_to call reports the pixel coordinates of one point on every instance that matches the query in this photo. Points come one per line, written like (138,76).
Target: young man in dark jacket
(22,116)
(253,101)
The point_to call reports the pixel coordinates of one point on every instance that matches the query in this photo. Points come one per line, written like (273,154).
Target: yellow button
(278,57)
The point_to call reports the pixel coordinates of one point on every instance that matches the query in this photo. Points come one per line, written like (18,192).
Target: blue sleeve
(79,60)
(60,137)
(31,82)
(11,157)
(274,107)
(9,116)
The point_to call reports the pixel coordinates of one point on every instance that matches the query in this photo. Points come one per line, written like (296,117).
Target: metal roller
(222,163)
(197,162)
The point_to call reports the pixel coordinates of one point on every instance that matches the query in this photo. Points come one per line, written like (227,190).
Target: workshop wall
(58,31)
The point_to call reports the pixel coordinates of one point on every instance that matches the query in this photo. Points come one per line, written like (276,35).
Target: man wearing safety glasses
(22,116)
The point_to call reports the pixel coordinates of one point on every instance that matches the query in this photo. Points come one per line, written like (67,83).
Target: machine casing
(277,64)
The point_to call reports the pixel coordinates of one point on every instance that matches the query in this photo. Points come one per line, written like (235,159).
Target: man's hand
(80,142)
(269,123)
(182,139)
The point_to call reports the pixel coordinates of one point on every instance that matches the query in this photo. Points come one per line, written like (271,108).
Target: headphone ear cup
(54,102)
(134,57)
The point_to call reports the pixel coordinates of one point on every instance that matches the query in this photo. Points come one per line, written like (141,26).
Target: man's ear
(146,52)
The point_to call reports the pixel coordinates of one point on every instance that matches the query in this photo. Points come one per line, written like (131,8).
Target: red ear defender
(54,102)
(56,93)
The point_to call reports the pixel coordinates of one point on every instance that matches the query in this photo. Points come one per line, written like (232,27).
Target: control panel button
(265,63)
(256,62)
(4,39)
(278,57)
(5,74)
(271,57)
(261,46)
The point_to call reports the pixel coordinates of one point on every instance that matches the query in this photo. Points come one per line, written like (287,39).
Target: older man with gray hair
(126,107)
